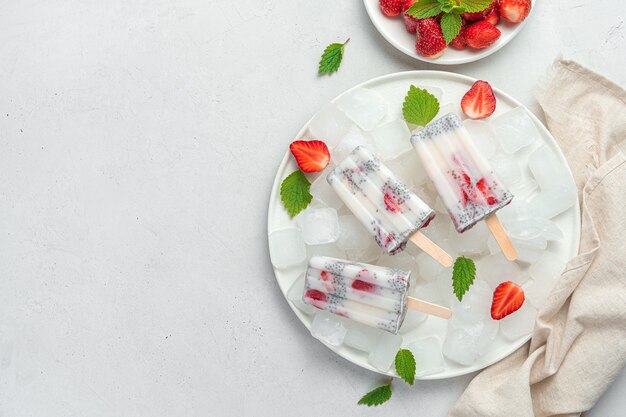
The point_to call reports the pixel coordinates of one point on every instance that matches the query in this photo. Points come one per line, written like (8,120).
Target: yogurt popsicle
(384,205)
(464,179)
(373,295)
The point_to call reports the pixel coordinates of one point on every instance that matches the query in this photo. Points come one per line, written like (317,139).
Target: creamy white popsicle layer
(383,204)
(464,179)
(373,295)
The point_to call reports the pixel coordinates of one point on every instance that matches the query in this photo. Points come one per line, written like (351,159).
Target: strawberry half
(507,298)
(429,41)
(493,17)
(311,156)
(481,34)
(515,10)
(479,102)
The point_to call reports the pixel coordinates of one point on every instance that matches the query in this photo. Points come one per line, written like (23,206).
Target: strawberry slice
(515,10)
(507,298)
(479,102)
(482,194)
(311,156)
(391,204)
(361,285)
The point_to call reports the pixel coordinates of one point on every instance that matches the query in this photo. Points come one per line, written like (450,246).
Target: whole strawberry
(429,41)
(481,34)
(410,23)
(515,10)
(459,41)
(394,7)
(473,16)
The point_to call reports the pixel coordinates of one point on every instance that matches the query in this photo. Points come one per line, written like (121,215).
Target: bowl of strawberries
(449,32)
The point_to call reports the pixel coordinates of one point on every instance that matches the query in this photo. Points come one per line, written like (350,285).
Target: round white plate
(392,29)
(393,88)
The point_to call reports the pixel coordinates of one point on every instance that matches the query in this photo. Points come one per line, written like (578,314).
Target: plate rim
(373,14)
(451,76)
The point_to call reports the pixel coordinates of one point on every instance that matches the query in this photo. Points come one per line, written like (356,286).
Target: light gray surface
(139,143)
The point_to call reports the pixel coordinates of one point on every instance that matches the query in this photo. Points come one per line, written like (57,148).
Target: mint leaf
(420,107)
(331,58)
(475,5)
(450,26)
(424,8)
(405,365)
(463,274)
(294,192)
(377,396)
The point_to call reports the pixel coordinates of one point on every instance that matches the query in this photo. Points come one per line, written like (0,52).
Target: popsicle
(373,295)
(464,179)
(384,205)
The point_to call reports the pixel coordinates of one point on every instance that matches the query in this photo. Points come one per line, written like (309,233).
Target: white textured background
(139,141)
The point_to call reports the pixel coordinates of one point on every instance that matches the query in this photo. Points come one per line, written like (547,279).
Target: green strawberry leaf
(463,274)
(331,58)
(405,365)
(294,192)
(419,107)
(450,26)
(377,396)
(424,8)
(472,6)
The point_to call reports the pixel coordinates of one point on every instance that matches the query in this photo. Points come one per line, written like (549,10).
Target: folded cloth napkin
(578,346)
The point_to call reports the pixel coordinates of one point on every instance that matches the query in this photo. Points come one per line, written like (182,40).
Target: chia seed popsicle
(383,204)
(464,179)
(373,295)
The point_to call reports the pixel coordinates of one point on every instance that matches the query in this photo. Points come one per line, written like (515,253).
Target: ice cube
(495,269)
(447,108)
(439,206)
(328,328)
(384,353)
(412,321)
(528,251)
(408,169)
(353,138)
(549,170)
(323,192)
(352,234)
(319,225)
(506,168)
(427,291)
(552,202)
(365,107)
(470,242)
(520,323)
(391,139)
(329,249)
(330,125)
(549,268)
(438,229)
(465,343)
(435,91)
(483,136)
(294,294)
(362,337)
(428,357)
(286,248)
(369,254)
(524,188)
(536,291)
(515,129)
(551,231)
(426,194)
(475,305)
(428,268)
(402,261)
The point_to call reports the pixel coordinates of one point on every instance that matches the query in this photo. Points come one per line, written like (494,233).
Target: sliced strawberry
(311,156)
(479,102)
(391,204)
(473,16)
(316,298)
(493,17)
(481,34)
(410,23)
(360,285)
(429,41)
(507,298)
(515,10)
(482,194)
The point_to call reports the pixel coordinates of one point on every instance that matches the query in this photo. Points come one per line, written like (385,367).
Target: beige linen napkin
(579,340)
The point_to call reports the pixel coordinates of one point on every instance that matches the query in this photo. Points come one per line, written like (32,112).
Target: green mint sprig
(294,192)
(463,274)
(331,58)
(452,9)
(419,107)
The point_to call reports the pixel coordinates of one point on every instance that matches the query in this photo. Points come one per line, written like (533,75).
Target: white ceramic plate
(392,29)
(393,88)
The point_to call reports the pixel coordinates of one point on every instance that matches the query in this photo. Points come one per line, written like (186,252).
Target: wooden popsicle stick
(503,239)
(428,246)
(429,308)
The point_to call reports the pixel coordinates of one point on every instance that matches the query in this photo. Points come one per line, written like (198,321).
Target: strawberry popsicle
(464,179)
(384,205)
(373,295)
